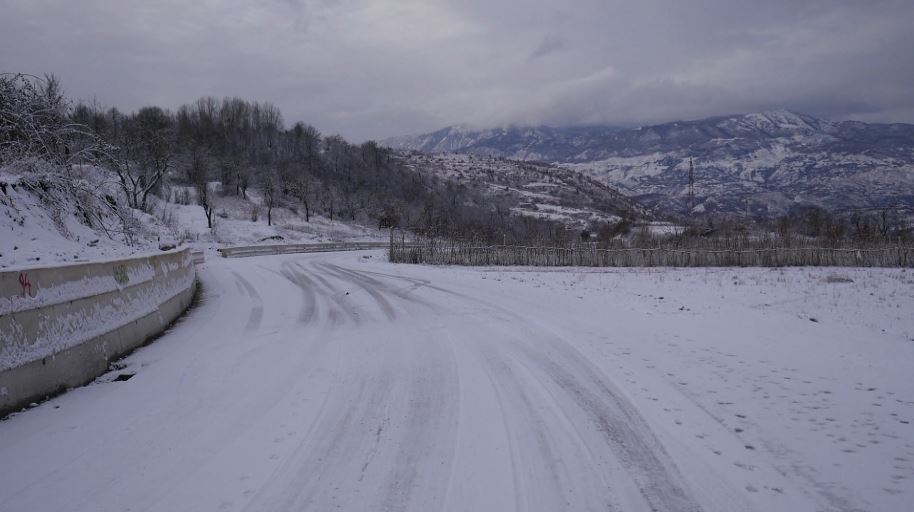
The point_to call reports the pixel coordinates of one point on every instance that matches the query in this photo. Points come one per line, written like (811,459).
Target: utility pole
(691,187)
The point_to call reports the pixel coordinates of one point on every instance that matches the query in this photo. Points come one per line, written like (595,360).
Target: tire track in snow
(622,428)
(314,476)
(306,285)
(338,298)
(425,446)
(555,469)
(371,288)
(624,431)
(383,438)
(387,433)
(619,425)
(256,315)
(404,293)
(307,282)
(622,437)
(415,284)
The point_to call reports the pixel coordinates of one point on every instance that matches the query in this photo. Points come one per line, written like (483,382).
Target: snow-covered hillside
(543,143)
(243,220)
(529,188)
(765,162)
(47,218)
(52,218)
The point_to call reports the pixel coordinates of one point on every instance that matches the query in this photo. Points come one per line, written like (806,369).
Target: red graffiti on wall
(25,283)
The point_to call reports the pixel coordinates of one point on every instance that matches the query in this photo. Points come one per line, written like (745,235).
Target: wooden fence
(442,252)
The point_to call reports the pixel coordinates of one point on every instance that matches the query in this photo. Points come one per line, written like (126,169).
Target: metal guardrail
(265,250)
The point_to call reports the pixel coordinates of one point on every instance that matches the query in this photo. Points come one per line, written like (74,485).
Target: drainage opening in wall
(123,376)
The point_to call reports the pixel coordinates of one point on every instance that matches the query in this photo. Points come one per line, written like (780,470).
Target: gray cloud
(550,44)
(373,68)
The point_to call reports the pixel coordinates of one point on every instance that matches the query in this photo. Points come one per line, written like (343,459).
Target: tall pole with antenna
(691,187)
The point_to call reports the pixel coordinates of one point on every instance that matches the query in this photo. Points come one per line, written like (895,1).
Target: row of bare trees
(245,145)
(231,146)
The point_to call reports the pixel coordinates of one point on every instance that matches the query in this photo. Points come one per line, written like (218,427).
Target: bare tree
(269,183)
(35,122)
(145,147)
(199,176)
(244,180)
(302,190)
(335,149)
(327,201)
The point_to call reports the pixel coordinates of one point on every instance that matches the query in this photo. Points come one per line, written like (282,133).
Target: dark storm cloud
(373,68)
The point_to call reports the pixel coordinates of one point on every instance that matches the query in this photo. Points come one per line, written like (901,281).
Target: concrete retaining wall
(61,326)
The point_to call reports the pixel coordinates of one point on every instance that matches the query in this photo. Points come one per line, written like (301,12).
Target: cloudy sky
(376,68)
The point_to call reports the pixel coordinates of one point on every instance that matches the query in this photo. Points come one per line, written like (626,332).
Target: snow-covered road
(339,381)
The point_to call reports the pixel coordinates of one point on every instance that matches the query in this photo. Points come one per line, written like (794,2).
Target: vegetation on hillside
(243,146)
(231,146)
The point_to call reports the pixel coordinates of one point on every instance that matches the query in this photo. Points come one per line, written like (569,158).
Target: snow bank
(43,221)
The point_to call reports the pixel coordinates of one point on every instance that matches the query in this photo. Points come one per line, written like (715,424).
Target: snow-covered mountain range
(766,163)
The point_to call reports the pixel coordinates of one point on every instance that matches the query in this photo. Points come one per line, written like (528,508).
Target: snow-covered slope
(243,220)
(768,161)
(50,218)
(518,143)
(46,219)
(529,188)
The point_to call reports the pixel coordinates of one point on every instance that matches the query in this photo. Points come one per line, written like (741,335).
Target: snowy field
(340,381)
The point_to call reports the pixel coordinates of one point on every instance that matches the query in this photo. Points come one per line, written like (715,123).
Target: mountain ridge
(762,163)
